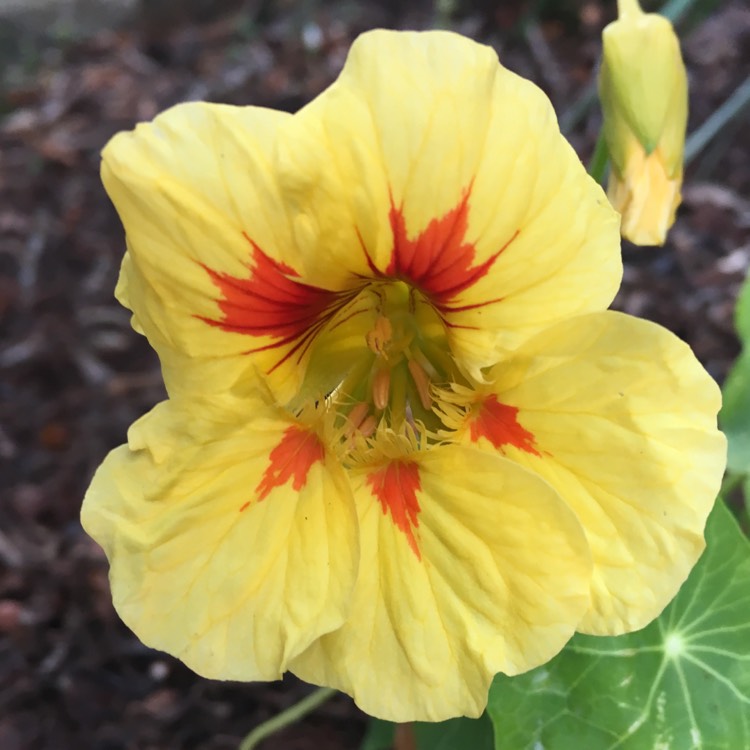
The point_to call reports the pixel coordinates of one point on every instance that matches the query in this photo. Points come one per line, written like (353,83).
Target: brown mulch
(73,375)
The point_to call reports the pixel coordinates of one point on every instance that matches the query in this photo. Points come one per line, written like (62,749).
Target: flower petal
(430,162)
(208,272)
(618,415)
(645,195)
(470,566)
(231,535)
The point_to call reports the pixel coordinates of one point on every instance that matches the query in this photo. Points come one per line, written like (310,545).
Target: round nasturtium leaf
(682,683)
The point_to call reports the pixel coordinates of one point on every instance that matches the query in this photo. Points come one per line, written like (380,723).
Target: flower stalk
(286,718)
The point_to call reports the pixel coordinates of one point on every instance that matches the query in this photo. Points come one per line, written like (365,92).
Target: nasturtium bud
(643,90)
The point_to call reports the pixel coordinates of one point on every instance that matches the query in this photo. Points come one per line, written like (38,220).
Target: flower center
(384,352)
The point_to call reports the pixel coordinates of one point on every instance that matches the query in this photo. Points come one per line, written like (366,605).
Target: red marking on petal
(272,302)
(291,460)
(463,308)
(499,424)
(245,506)
(370,261)
(395,486)
(438,261)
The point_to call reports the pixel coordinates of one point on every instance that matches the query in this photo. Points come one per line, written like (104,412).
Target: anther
(422,382)
(357,415)
(359,421)
(378,338)
(369,426)
(381,387)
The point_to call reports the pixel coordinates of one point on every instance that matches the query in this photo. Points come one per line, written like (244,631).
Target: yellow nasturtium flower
(406,447)
(643,90)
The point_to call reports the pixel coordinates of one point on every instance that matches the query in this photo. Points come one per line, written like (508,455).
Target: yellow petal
(646,195)
(207,273)
(231,535)
(157,318)
(430,162)
(618,415)
(470,566)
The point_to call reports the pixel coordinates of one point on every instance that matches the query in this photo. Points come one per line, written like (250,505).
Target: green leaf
(735,413)
(682,683)
(456,734)
(379,735)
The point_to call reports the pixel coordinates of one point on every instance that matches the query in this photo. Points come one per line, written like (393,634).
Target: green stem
(443,12)
(628,7)
(700,138)
(285,718)
(599,159)
(674,10)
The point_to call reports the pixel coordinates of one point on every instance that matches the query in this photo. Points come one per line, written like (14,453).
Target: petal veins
(395,486)
(273,303)
(439,260)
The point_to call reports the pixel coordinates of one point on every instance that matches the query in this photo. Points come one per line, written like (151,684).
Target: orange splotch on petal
(395,485)
(272,302)
(439,261)
(291,460)
(499,424)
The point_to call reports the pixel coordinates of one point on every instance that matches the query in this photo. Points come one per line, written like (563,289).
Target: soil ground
(73,375)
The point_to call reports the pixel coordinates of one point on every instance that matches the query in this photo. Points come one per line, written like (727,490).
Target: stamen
(427,366)
(379,337)
(369,426)
(359,423)
(422,382)
(357,415)
(381,386)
